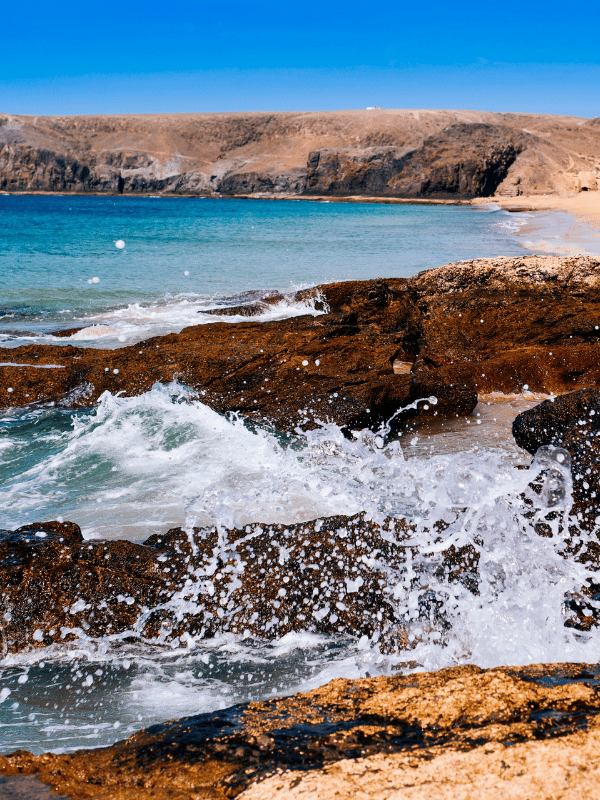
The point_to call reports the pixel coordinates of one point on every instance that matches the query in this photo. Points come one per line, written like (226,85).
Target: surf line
(35,366)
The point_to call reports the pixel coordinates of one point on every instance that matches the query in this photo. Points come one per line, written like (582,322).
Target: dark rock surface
(331,575)
(571,421)
(473,732)
(337,367)
(463,160)
(243,183)
(327,576)
(551,421)
(489,325)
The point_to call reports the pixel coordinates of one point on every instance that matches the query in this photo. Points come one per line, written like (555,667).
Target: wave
(557,245)
(135,466)
(138,321)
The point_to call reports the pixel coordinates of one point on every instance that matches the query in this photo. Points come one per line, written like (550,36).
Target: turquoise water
(135,466)
(60,268)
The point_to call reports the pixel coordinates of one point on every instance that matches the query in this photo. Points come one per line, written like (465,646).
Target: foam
(554,232)
(138,321)
(34,366)
(166,458)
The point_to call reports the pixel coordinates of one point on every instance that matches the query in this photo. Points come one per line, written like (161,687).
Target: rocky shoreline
(330,575)
(461,732)
(489,325)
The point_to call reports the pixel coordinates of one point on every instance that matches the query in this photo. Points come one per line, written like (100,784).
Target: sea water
(134,466)
(60,266)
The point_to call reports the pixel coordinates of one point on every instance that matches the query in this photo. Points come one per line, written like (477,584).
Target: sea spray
(166,452)
(98,469)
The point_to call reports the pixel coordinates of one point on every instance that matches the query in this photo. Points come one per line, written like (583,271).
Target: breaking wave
(134,466)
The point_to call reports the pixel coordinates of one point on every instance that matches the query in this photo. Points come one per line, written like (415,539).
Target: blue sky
(193,55)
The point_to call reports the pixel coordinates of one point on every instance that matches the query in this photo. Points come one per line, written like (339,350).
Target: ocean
(122,269)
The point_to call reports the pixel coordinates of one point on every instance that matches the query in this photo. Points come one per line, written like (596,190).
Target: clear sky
(127,56)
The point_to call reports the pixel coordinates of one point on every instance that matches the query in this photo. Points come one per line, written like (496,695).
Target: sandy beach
(583,205)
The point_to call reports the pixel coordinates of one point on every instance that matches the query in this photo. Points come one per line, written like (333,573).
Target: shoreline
(584,206)
(560,237)
(316,198)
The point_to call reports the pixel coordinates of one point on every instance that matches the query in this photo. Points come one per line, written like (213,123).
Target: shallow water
(555,232)
(60,268)
(135,466)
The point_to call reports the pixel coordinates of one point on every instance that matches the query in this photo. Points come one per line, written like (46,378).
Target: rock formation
(462,729)
(501,324)
(328,575)
(338,366)
(413,154)
(511,324)
(460,732)
(571,421)
(463,160)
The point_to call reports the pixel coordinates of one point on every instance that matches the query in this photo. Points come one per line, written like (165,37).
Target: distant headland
(371,153)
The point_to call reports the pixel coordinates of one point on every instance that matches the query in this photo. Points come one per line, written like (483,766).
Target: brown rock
(464,160)
(387,152)
(462,732)
(292,372)
(567,428)
(572,422)
(330,575)
(502,324)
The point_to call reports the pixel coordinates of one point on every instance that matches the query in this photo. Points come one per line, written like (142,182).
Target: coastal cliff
(377,153)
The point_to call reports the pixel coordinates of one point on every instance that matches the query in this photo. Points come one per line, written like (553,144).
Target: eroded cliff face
(24,168)
(464,160)
(380,153)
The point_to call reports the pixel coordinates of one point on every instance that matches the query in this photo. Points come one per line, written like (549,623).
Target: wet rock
(570,424)
(489,325)
(335,367)
(462,731)
(571,421)
(331,575)
(53,582)
(27,787)
(550,422)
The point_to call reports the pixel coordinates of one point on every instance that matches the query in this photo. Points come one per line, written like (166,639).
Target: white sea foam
(553,232)
(134,466)
(555,245)
(512,221)
(34,366)
(138,321)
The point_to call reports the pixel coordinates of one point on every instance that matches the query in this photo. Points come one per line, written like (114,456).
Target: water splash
(164,459)
(170,314)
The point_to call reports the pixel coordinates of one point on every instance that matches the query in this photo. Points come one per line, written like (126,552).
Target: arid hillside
(373,152)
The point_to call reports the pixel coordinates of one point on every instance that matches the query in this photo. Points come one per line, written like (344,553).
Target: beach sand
(583,205)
